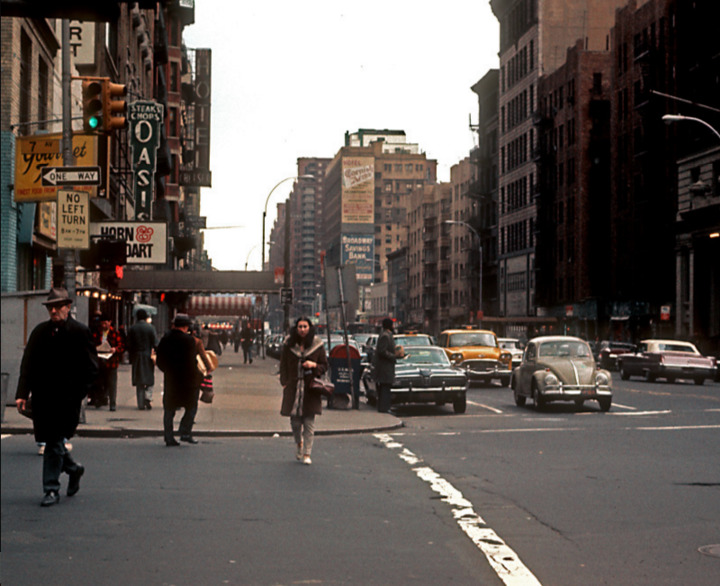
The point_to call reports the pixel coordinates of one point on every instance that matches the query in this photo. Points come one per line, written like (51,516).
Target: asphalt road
(499,493)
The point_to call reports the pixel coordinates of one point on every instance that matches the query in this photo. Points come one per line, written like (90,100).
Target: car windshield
(426,355)
(413,340)
(564,349)
(472,339)
(509,344)
(676,348)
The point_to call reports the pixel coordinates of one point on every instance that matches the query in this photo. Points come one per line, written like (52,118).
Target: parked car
(273,345)
(609,350)
(668,359)
(424,375)
(405,340)
(478,353)
(515,348)
(560,368)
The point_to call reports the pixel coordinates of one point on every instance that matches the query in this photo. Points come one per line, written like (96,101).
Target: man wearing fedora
(58,368)
(177,357)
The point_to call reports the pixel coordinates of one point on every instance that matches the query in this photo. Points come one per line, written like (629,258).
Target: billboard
(358,190)
(359,250)
(145,242)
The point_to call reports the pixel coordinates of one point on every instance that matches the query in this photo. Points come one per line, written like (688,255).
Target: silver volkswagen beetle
(560,368)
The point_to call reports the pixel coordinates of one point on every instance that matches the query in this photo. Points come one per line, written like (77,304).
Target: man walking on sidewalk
(142,341)
(58,367)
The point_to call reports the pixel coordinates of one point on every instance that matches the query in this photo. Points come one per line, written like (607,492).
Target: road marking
(635,413)
(498,411)
(502,559)
(623,406)
(678,427)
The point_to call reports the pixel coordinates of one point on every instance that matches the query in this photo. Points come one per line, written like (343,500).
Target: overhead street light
(670,118)
(266,205)
(480,250)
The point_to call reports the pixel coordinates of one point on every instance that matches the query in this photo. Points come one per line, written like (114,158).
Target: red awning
(225,305)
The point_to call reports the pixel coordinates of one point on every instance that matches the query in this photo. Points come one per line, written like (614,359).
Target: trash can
(340,375)
(5,382)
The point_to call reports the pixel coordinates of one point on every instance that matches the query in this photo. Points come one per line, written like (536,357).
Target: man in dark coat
(141,342)
(247,335)
(385,357)
(58,368)
(177,357)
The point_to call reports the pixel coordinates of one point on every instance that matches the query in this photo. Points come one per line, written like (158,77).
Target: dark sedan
(424,375)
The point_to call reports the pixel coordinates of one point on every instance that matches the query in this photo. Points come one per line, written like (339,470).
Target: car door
(526,369)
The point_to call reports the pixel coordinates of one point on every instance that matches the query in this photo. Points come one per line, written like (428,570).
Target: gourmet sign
(145,242)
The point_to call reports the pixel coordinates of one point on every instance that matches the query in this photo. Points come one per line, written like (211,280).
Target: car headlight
(551,379)
(456,357)
(601,379)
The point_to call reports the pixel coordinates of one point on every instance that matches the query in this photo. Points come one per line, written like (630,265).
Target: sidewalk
(247,403)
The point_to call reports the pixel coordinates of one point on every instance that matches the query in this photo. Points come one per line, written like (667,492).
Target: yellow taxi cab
(478,353)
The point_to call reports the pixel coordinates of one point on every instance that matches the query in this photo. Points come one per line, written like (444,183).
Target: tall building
(534,37)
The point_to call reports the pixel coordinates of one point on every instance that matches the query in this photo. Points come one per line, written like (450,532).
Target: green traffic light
(93,122)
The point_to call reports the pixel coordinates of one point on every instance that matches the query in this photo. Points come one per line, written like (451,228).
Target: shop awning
(166,281)
(220,305)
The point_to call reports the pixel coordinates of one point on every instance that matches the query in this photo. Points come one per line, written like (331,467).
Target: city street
(559,497)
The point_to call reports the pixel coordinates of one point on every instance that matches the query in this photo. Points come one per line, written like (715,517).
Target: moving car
(609,350)
(513,346)
(478,353)
(424,375)
(405,340)
(560,368)
(668,359)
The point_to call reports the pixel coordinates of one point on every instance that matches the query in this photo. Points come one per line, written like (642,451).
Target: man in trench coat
(141,342)
(58,368)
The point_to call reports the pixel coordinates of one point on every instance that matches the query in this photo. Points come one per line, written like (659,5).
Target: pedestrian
(57,371)
(385,356)
(110,349)
(247,335)
(177,355)
(142,342)
(303,359)
(236,335)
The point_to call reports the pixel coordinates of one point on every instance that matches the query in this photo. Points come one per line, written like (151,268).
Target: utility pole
(69,253)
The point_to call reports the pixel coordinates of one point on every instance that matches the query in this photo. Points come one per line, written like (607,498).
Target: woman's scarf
(301,352)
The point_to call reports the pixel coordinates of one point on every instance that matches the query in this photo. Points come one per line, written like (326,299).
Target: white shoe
(68,446)
(41,450)
(298,453)
(306,460)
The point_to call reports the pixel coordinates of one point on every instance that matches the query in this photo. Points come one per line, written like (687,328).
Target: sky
(290,77)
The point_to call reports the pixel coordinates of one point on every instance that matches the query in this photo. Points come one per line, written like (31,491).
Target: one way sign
(71,176)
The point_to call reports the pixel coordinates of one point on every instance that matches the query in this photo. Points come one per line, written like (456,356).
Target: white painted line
(678,427)
(6,435)
(624,406)
(644,413)
(493,409)
(502,559)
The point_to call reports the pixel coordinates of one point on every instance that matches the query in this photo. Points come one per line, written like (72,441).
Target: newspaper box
(340,373)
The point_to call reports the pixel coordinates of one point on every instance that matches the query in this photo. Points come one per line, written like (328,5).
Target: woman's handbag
(322,386)
(207,394)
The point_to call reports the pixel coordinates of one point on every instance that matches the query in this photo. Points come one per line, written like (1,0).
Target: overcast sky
(289,78)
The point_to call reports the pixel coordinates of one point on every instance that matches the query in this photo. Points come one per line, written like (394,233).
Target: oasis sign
(145,242)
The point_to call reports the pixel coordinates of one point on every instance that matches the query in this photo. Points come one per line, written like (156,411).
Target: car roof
(465,330)
(655,341)
(542,339)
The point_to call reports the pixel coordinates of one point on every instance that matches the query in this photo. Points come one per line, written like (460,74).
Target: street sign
(286,296)
(196,222)
(71,176)
(73,219)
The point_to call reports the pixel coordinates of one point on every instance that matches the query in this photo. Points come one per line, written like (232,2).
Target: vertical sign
(73,219)
(145,119)
(358,190)
(203,92)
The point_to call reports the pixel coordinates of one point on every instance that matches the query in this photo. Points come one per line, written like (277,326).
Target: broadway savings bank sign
(145,242)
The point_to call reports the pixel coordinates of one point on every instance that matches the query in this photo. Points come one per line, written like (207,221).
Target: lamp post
(480,250)
(267,200)
(247,258)
(670,118)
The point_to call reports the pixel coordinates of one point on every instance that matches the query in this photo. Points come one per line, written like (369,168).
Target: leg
(296,426)
(112,388)
(140,396)
(308,434)
(148,396)
(187,422)
(53,464)
(168,417)
(384,398)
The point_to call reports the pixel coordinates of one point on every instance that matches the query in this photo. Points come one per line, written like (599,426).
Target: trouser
(247,353)
(384,400)
(186,422)
(144,395)
(56,460)
(303,429)
(107,387)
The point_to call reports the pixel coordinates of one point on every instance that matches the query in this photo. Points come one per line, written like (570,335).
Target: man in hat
(177,357)
(386,354)
(58,368)
(142,342)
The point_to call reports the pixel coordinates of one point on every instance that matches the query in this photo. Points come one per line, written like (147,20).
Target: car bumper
(482,374)
(574,392)
(427,395)
(682,371)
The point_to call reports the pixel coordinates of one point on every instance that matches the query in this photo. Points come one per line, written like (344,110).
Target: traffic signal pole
(68,255)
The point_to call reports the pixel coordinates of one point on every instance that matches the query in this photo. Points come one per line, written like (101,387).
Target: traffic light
(114,106)
(93,104)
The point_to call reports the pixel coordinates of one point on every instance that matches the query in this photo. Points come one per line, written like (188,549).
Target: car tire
(519,399)
(650,377)
(460,404)
(505,382)
(699,381)
(538,399)
(579,403)
(605,403)
(670,380)
(624,374)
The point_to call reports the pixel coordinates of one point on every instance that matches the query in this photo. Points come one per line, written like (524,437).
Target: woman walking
(303,358)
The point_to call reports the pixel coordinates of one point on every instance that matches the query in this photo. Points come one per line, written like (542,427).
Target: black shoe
(74,483)
(112,408)
(172,443)
(148,405)
(188,439)
(52,497)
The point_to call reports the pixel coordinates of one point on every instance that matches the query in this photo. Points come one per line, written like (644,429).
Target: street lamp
(480,250)
(247,258)
(670,118)
(266,205)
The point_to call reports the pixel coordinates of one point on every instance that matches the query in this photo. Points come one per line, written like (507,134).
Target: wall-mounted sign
(145,242)
(359,250)
(145,119)
(73,219)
